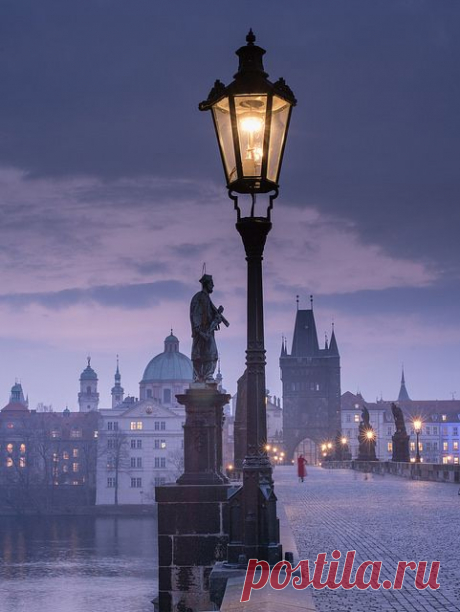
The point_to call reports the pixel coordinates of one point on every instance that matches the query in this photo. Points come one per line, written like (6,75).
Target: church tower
(311,385)
(88,398)
(117,390)
(403,394)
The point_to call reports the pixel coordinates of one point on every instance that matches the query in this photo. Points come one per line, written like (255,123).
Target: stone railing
(436,472)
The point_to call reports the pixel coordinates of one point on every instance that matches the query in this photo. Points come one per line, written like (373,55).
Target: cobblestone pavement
(383,518)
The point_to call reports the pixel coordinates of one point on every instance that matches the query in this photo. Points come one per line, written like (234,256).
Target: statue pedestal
(203,434)
(193,513)
(401,448)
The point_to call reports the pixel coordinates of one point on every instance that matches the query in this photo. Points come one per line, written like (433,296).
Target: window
(10,425)
(445,431)
(445,446)
(115,426)
(110,425)
(22,448)
(75,467)
(65,455)
(110,482)
(162,425)
(455,431)
(162,462)
(157,444)
(157,425)
(75,482)
(65,468)
(166,396)
(9,448)
(428,431)
(9,462)
(96,434)
(356,418)
(138,462)
(428,445)
(455,446)
(445,460)
(444,417)
(412,446)
(435,431)
(390,431)
(88,390)
(111,443)
(75,433)
(149,393)
(75,452)
(55,433)
(159,480)
(163,444)
(136,483)
(348,418)
(435,446)
(456,460)
(157,462)
(135,425)
(139,444)
(55,457)
(133,443)
(390,447)
(133,462)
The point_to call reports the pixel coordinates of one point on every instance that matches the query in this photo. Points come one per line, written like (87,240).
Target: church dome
(88,373)
(169,365)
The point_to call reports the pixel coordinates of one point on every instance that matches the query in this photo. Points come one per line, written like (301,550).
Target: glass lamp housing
(251,119)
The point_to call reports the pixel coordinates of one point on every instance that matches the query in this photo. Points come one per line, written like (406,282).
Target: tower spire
(403,394)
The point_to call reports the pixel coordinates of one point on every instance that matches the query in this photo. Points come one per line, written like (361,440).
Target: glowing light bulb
(251,124)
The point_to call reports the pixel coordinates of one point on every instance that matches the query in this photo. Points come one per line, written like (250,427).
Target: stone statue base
(401,448)
(203,434)
(366,451)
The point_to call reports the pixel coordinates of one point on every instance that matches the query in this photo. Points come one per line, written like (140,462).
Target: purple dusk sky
(112,193)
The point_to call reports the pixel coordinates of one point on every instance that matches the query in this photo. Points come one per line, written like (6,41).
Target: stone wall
(436,472)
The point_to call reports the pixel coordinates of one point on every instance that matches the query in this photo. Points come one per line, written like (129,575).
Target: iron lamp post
(417,428)
(251,119)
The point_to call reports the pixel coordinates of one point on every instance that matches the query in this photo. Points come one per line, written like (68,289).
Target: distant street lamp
(417,428)
(251,118)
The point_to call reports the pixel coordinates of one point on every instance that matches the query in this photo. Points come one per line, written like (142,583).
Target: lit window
(456,460)
(356,418)
(455,447)
(75,452)
(445,446)
(390,447)
(9,462)
(444,417)
(55,457)
(22,448)
(74,467)
(9,448)
(55,433)
(65,455)
(163,444)
(444,460)
(135,425)
(10,425)
(75,482)
(96,434)
(22,462)
(412,446)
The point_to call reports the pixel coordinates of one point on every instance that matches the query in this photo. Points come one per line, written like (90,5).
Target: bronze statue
(399,419)
(365,416)
(205,319)
(366,437)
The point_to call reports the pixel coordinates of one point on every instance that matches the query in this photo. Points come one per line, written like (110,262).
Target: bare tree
(115,448)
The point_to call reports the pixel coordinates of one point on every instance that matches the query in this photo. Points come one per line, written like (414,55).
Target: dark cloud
(142,295)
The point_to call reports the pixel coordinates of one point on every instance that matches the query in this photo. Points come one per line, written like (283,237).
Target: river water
(78,564)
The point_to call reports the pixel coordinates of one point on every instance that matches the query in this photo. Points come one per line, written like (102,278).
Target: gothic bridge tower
(311,388)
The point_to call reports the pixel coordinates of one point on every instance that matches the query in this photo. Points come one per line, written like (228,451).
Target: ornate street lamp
(251,119)
(417,428)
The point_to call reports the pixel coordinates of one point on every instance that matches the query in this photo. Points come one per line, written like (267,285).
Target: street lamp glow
(267,447)
(344,440)
(369,434)
(417,425)
(323,447)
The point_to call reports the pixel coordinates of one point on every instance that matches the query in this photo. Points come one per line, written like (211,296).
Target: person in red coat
(301,469)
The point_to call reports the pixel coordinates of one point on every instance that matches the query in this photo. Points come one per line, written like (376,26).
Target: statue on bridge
(205,319)
(400,437)
(366,438)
